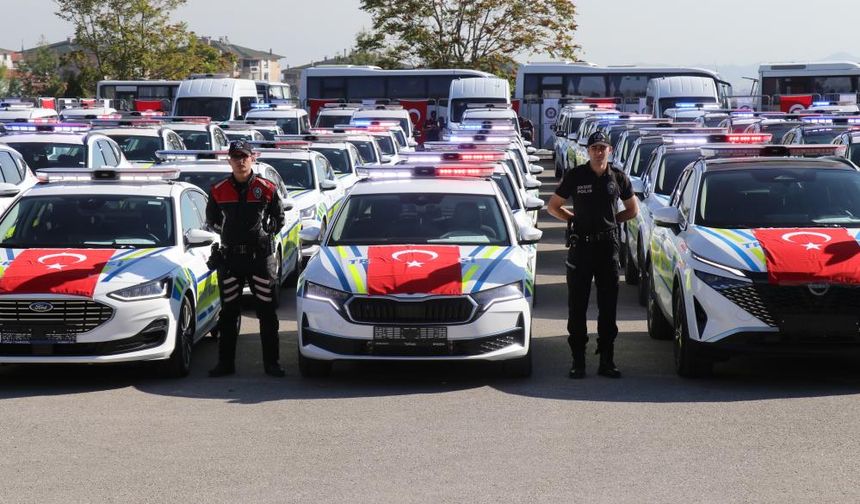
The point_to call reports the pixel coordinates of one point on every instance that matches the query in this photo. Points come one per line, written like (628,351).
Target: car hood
(83,272)
(417,269)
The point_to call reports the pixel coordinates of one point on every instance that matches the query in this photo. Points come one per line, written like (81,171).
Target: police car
(384,138)
(333,114)
(368,115)
(420,263)
(309,180)
(204,169)
(139,139)
(267,129)
(197,133)
(18,111)
(106,265)
(244,133)
(87,110)
(342,155)
(757,253)
(814,131)
(55,145)
(15,175)
(291,120)
(851,139)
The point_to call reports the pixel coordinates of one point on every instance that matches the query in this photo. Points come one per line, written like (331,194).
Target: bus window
(835,84)
(332,87)
(365,87)
(551,86)
(438,86)
(628,86)
(407,87)
(591,85)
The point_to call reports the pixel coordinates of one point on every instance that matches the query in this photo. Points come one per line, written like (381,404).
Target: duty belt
(242,249)
(597,237)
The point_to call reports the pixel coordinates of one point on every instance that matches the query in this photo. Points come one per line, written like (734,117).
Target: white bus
(354,83)
(543,88)
(808,82)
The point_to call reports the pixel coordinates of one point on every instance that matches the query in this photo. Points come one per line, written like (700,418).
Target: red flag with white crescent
(55,271)
(794,103)
(810,255)
(314,106)
(418,113)
(414,269)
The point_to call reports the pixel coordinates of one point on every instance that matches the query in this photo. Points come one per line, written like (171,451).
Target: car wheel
(658,327)
(688,362)
(631,273)
(644,273)
(313,368)
(179,363)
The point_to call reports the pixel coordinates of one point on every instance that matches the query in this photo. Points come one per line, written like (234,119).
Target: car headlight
(719,282)
(334,297)
(486,298)
(309,212)
(715,264)
(149,290)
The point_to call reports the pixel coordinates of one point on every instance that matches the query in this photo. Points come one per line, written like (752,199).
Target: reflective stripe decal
(490,268)
(336,268)
(734,246)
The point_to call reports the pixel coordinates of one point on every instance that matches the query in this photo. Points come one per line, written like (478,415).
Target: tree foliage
(481,34)
(135,39)
(40,73)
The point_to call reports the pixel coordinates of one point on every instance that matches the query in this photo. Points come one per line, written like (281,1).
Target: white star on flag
(810,246)
(414,264)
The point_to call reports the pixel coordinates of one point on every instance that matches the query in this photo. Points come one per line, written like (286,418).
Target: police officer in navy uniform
(593,238)
(246,210)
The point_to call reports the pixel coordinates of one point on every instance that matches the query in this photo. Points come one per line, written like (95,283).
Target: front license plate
(820,325)
(410,336)
(12,335)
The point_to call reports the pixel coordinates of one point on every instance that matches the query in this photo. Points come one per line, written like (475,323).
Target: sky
(712,33)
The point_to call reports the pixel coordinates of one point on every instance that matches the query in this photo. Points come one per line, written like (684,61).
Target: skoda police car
(420,263)
(105,266)
(757,253)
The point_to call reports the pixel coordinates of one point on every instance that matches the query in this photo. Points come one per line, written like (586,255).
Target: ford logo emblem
(41,307)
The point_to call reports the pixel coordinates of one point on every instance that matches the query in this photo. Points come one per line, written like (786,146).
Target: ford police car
(757,254)
(420,263)
(106,266)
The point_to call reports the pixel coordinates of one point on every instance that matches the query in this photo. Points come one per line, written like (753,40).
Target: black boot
(607,364)
(577,369)
(274,369)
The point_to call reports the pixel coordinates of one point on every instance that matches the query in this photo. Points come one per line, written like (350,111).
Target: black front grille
(454,310)
(771,303)
(74,316)
(153,335)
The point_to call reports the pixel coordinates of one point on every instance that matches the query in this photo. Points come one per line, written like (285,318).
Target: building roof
(62,47)
(241,51)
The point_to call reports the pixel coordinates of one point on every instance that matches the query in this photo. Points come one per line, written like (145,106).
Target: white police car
(343,156)
(757,254)
(106,265)
(419,263)
(197,133)
(291,120)
(15,175)
(241,130)
(18,111)
(205,168)
(63,145)
(140,139)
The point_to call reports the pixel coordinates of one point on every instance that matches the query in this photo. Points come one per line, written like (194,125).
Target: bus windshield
(216,108)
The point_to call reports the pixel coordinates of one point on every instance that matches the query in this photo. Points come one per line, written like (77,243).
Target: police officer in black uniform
(595,188)
(246,210)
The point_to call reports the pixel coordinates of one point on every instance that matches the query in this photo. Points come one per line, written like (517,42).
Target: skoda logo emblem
(818,289)
(41,307)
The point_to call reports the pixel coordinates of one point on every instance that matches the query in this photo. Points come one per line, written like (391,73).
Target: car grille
(770,303)
(75,316)
(454,310)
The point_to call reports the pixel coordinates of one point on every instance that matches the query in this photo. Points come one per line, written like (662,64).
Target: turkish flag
(55,271)
(794,103)
(414,269)
(314,106)
(418,113)
(148,105)
(810,255)
(515,104)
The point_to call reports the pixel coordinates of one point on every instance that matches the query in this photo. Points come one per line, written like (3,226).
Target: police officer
(246,210)
(595,189)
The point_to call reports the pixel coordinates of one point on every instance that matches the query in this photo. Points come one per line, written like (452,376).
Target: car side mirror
(572,136)
(532,204)
(532,184)
(528,235)
(669,217)
(385,159)
(534,159)
(535,169)
(638,188)
(327,185)
(9,190)
(527,143)
(530,150)
(310,235)
(200,238)
(288,204)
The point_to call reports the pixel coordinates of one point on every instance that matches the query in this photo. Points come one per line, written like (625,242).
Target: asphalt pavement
(759,430)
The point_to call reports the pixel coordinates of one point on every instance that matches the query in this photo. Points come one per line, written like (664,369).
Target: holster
(570,235)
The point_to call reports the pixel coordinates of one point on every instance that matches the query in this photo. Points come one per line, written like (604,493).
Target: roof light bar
(739,151)
(187,119)
(680,130)
(56,127)
(459,156)
(191,154)
(315,138)
(281,144)
(50,175)
(466,146)
(403,171)
(129,123)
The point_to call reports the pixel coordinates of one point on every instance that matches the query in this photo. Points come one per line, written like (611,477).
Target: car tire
(631,272)
(688,361)
(178,364)
(521,367)
(313,368)
(659,327)
(644,274)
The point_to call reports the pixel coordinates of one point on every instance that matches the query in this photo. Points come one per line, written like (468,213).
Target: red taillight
(473,156)
(464,171)
(749,138)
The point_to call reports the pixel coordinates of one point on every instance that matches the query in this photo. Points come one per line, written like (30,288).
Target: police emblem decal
(612,188)
(258,192)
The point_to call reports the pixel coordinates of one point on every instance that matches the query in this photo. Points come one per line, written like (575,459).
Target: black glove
(216,260)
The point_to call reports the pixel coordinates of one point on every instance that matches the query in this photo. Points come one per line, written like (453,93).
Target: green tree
(481,34)
(39,73)
(135,39)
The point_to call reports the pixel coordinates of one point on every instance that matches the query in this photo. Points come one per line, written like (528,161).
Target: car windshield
(203,180)
(777,130)
(332,120)
(216,108)
(337,157)
(821,136)
(459,105)
(138,148)
(420,218)
(779,197)
(195,140)
(386,145)
(241,135)
(684,102)
(641,158)
(88,221)
(401,138)
(296,173)
(507,188)
(672,165)
(365,150)
(51,155)
(289,125)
